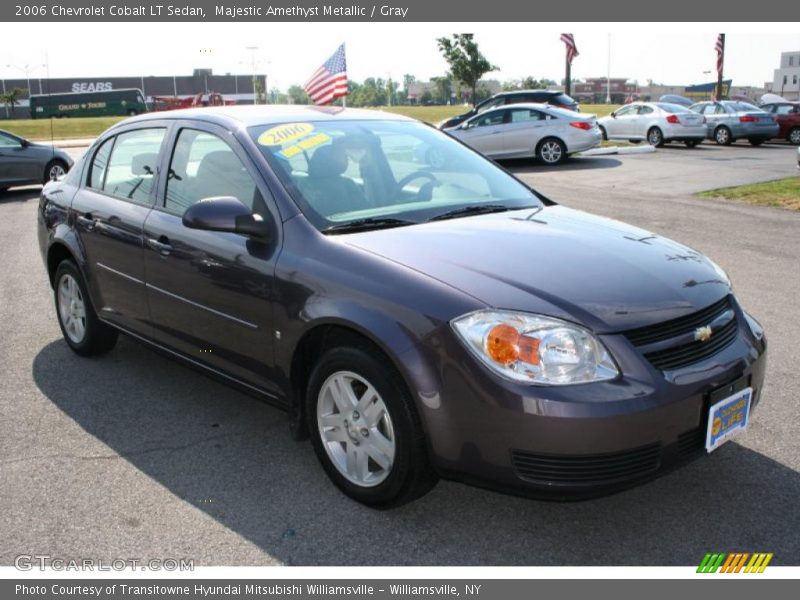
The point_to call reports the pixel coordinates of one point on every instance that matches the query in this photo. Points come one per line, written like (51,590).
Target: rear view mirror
(227,214)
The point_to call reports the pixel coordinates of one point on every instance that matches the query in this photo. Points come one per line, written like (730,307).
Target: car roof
(514,92)
(250,115)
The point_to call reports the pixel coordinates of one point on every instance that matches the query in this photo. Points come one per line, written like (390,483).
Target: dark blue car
(416,321)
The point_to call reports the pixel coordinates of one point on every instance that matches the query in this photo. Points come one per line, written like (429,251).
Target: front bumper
(583,440)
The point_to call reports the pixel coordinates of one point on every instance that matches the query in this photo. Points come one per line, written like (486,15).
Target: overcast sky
(289,52)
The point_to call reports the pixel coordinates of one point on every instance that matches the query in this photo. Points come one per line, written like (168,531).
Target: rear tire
(756,141)
(84,333)
(794,136)
(55,168)
(692,143)
(655,137)
(551,151)
(723,137)
(377,456)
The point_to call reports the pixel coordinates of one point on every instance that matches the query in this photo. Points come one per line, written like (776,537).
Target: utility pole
(720,63)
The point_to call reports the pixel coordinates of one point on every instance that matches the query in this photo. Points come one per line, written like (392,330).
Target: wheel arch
(326,334)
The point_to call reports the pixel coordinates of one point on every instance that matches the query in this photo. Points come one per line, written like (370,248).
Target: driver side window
(204,166)
(495,118)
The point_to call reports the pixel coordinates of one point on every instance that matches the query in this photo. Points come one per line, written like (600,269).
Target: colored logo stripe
(733,563)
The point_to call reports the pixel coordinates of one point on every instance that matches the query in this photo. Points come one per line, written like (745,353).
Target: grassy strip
(784,193)
(89,127)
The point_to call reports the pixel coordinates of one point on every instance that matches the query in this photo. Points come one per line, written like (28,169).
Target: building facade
(233,87)
(593,90)
(786,78)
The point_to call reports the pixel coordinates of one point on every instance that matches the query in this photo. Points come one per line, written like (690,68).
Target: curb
(645,149)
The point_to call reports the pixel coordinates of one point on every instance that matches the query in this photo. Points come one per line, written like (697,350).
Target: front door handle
(87,222)
(161,245)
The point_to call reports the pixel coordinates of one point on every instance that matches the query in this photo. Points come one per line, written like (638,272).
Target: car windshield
(673,108)
(385,173)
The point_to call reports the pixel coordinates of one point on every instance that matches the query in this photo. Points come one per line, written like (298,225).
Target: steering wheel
(425,189)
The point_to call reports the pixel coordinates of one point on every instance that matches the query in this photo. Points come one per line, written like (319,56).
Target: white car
(655,122)
(529,130)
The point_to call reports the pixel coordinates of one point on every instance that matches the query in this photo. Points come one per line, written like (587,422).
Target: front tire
(551,151)
(365,429)
(604,133)
(794,136)
(655,137)
(84,333)
(723,137)
(55,168)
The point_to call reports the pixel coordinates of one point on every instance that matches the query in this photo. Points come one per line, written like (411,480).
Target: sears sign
(88,86)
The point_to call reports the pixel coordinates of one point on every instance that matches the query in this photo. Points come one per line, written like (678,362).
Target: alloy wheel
(551,152)
(356,429)
(654,137)
(55,172)
(722,136)
(71,308)
(794,136)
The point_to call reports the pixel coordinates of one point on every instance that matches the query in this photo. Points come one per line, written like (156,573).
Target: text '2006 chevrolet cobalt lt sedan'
(416,321)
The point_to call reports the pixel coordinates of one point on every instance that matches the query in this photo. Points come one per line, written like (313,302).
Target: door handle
(88,222)
(161,245)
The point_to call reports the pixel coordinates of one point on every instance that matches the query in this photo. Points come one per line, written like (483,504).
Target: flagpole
(568,79)
(721,65)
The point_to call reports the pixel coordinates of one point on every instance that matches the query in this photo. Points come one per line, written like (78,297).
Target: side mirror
(24,143)
(613,114)
(225,213)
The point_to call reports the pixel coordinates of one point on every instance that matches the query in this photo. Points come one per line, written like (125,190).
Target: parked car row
(536,123)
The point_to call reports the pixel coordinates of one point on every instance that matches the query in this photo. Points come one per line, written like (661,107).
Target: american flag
(330,80)
(572,49)
(720,48)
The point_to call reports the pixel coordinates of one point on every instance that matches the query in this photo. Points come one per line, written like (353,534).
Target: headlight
(535,349)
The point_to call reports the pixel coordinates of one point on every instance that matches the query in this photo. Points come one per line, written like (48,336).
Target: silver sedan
(730,120)
(656,122)
(25,163)
(529,130)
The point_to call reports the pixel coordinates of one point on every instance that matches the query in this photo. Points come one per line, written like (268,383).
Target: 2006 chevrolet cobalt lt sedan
(415,321)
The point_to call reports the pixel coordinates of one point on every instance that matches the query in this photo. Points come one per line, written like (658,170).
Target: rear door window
(133,164)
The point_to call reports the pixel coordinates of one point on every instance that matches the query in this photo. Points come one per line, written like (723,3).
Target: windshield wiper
(367,224)
(476,209)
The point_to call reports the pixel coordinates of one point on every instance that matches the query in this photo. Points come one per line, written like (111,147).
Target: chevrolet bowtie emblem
(703,334)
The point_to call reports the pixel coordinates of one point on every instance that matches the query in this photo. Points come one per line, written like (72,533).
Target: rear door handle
(161,245)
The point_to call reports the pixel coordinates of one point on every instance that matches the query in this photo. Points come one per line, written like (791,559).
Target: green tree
(297,95)
(442,88)
(467,64)
(259,89)
(11,98)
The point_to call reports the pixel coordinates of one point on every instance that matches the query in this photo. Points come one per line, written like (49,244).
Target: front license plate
(728,418)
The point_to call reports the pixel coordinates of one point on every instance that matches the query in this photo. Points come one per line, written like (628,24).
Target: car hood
(607,275)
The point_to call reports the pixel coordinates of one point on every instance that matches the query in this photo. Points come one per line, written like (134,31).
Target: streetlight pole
(253,50)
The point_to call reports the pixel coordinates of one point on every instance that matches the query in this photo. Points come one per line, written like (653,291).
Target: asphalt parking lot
(134,456)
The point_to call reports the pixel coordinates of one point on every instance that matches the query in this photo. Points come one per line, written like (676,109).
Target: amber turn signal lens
(505,345)
(501,344)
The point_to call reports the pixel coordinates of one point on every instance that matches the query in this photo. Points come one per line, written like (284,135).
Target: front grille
(586,470)
(653,340)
